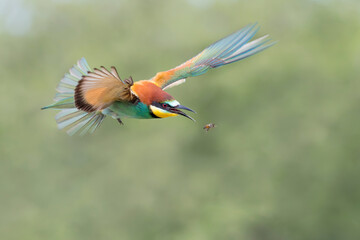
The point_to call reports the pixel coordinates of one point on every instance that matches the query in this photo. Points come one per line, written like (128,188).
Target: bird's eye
(164,105)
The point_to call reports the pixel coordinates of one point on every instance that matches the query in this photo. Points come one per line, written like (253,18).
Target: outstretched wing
(99,89)
(227,50)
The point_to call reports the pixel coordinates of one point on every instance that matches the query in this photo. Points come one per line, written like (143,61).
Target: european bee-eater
(86,96)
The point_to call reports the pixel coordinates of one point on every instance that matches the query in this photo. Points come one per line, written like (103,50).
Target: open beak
(185,108)
(177,111)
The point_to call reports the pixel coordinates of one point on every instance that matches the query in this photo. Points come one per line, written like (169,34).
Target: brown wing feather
(100,88)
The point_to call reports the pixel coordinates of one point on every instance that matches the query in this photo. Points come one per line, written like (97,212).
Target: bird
(85,96)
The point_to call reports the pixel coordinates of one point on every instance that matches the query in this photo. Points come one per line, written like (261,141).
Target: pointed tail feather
(71,119)
(61,104)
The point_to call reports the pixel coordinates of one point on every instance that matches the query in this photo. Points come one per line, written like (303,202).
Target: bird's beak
(177,111)
(185,108)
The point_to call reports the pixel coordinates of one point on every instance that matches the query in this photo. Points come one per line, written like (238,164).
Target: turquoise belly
(126,109)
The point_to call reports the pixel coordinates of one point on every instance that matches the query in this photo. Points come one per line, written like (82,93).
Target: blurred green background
(282,164)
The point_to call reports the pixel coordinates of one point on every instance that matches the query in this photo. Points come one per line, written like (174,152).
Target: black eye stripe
(162,105)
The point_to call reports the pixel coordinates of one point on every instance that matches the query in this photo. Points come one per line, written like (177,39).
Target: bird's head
(168,108)
(160,103)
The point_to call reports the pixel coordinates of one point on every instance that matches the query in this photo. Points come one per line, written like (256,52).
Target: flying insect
(209,126)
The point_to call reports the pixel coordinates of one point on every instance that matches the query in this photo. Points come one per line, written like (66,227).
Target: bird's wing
(99,89)
(227,50)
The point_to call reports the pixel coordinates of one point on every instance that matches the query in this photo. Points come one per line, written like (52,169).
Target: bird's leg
(119,120)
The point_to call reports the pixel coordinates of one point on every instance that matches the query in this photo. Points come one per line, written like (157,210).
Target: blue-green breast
(131,110)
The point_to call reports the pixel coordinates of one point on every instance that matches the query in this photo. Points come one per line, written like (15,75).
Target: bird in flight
(85,95)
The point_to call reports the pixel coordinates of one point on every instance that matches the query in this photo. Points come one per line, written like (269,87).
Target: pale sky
(15,17)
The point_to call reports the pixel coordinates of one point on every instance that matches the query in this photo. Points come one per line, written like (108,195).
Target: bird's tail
(71,119)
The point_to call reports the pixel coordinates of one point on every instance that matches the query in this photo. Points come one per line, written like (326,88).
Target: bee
(209,126)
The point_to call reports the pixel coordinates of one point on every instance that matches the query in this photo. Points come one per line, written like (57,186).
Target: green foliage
(282,163)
